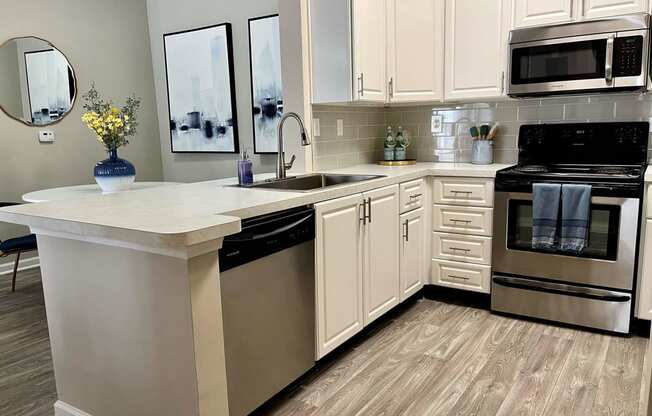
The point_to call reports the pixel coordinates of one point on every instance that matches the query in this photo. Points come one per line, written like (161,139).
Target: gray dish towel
(545,215)
(575,217)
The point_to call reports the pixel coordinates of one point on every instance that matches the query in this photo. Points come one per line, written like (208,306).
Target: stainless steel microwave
(590,56)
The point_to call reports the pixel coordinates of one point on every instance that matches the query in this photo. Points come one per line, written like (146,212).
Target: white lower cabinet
(339,261)
(381,247)
(465,276)
(462,232)
(357,266)
(465,248)
(644,308)
(413,252)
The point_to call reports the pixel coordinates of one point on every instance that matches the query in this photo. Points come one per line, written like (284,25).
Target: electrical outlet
(436,124)
(340,127)
(316,131)
(46,136)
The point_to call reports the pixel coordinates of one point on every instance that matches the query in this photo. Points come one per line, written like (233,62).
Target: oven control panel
(615,143)
(628,56)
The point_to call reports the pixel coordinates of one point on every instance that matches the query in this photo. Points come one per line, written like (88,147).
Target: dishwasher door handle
(273,233)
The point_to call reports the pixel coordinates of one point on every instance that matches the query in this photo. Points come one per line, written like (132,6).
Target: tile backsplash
(364,127)
(361,139)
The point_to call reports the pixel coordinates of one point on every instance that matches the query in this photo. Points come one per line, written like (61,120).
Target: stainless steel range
(593,288)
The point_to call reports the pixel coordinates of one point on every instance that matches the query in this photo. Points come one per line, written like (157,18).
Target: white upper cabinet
(476,36)
(592,9)
(541,12)
(415,50)
(545,12)
(370,50)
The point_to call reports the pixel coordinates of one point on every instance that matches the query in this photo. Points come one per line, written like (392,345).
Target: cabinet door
(476,36)
(338,257)
(412,253)
(644,308)
(592,9)
(381,247)
(369,50)
(541,12)
(415,50)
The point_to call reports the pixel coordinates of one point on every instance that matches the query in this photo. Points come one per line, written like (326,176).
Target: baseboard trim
(23,264)
(64,409)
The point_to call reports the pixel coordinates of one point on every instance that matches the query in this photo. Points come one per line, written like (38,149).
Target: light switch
(46,136)
(340,127)
(316,131)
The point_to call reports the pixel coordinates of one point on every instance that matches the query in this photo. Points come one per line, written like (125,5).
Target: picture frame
(265,81)
(199,71)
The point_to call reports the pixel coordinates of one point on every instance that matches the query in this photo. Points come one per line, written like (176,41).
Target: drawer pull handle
(415,196)
(452,276)
(462,221)
(462,192)
(466,250)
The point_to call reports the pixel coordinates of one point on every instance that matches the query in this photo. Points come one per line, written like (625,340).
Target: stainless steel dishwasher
(267,277)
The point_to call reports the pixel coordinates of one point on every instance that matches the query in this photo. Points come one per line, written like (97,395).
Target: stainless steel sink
(312,182)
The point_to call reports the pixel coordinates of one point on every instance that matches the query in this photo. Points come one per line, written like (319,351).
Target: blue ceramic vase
(114,174)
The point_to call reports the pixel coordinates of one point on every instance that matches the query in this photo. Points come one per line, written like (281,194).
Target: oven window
(559,62)
(603,230)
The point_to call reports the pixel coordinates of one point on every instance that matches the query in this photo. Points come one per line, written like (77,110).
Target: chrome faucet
(281,166)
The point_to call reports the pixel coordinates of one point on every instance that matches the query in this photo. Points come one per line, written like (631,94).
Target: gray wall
(167,16)
(106,42)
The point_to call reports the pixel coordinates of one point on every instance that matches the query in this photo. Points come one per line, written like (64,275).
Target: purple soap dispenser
(245,170)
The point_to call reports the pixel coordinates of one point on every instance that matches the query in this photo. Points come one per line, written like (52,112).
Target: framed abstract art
(201,90)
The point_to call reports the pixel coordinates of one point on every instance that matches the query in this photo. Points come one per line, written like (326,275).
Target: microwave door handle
(609,60)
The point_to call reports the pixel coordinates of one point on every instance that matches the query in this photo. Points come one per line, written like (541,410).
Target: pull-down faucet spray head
(281,166)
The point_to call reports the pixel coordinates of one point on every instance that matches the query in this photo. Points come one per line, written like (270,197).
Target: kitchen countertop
(648,174)
(194,213)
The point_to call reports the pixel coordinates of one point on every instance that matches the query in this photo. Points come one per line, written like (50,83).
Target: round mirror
(37,83)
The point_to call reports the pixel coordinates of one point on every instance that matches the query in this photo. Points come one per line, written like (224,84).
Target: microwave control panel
(628,56)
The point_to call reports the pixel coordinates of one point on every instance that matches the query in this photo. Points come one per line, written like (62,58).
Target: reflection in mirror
(37,83)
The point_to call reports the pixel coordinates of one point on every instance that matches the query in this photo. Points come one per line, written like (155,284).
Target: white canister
(483,152)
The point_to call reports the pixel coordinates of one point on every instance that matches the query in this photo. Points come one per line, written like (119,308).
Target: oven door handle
(561,289)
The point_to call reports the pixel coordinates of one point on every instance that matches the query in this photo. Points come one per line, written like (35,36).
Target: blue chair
(16,246)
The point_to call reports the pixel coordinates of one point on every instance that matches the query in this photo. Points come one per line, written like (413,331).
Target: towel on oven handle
(545,215)
(575,217)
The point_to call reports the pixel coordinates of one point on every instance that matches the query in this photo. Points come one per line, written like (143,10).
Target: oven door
(579,63)
(607,261)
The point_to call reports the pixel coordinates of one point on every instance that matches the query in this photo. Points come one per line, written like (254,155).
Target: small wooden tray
(405,162)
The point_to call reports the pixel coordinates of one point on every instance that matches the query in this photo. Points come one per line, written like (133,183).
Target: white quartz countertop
(189,214)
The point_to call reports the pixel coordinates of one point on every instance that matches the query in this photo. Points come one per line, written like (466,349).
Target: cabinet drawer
(463,220)
(464,248)
(413,194)
(463,191)
(473,277)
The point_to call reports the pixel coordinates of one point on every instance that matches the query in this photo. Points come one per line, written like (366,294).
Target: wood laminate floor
(428,358)
(26,376)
